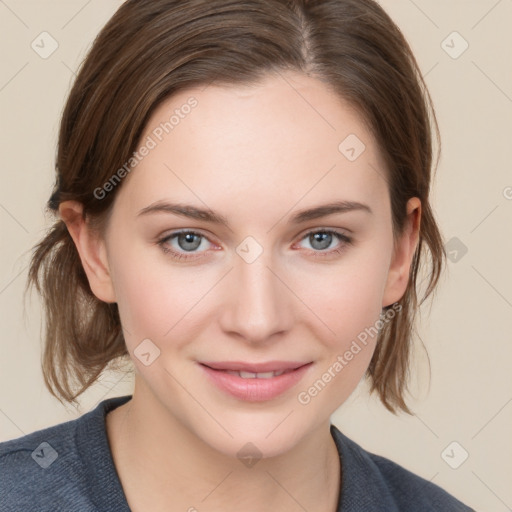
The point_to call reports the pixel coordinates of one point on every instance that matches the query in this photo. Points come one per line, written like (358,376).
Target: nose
(259,305)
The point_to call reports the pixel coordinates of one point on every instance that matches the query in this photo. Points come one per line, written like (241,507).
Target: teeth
(250,375)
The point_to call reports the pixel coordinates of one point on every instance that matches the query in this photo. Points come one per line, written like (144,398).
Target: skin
(256,155)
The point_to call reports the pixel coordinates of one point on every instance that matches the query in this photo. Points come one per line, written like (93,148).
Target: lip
(269,366)
(255,390)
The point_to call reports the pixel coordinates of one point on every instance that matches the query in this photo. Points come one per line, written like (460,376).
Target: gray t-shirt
(69,467)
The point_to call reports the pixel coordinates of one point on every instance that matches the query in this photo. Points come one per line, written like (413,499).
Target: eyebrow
(193,212)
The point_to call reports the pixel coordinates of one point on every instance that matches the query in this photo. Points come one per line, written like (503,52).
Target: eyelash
(316,254)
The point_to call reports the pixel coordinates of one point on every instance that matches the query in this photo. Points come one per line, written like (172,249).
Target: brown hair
(151,49)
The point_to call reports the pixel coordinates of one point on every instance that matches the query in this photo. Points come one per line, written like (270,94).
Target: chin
(260,436)
(249,449)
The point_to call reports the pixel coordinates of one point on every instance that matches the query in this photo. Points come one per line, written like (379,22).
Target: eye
(186,242)
(322,239)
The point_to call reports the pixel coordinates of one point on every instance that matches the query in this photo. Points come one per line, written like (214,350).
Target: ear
(91,248)
(398,274)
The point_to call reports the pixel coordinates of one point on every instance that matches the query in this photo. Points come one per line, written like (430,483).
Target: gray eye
(320,240)
(188,241)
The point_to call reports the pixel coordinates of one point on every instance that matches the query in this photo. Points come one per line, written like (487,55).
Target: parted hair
(151,49)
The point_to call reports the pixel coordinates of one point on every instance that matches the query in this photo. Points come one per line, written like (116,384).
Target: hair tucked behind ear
(151,49)
(82,333)
(389,367)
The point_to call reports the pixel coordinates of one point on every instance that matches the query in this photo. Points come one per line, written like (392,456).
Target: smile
(255,386)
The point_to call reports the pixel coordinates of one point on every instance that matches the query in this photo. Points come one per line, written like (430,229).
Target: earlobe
(91,249)
(398,274)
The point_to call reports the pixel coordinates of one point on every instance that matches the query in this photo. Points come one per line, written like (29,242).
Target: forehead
(289,132)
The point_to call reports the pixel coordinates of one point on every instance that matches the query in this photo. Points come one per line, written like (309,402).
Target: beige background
(467,334)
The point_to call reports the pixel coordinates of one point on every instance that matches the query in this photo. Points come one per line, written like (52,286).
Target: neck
(163,465)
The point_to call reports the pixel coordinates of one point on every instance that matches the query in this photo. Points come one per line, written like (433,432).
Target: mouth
(259,375)
(255,382)
(256,368)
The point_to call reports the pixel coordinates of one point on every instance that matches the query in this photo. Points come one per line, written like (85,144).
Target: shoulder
(62,467)
(377,481)
(408,488)
(40,470)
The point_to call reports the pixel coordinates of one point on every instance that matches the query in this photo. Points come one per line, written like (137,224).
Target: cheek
(138,287)
(350,305)
(155,299)
(347,298)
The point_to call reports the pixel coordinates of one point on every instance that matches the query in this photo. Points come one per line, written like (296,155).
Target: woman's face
(268,284)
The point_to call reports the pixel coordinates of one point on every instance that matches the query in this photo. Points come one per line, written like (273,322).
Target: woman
(243,201)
